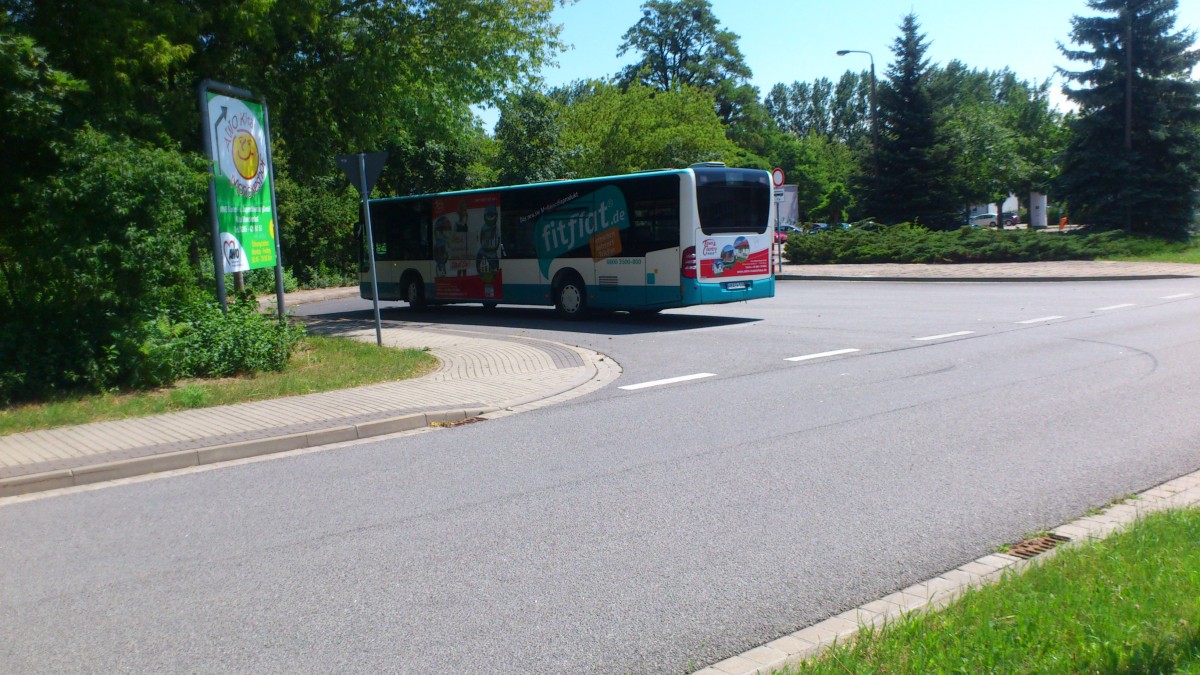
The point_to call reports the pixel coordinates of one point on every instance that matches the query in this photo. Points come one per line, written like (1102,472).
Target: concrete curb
(940,591)
(127,468)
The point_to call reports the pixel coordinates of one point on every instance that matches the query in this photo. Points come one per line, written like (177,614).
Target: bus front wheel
(570,300)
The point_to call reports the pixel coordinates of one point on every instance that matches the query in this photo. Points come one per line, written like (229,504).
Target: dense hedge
(96,292)
(906,243)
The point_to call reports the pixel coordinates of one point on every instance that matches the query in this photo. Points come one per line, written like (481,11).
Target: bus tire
(414,292)
(570,297)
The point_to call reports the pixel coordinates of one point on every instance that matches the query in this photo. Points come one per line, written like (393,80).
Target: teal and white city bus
(643,243)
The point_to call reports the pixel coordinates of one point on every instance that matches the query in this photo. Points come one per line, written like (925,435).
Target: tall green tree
(615,132)
(1133,160)
(339,75)
(99,100)
(681,42)
(914,180)
(527,137)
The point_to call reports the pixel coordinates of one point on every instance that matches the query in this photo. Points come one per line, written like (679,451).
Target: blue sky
(789,40)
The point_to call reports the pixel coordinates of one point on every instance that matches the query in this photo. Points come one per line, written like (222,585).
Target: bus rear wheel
(570,298)
(414,293)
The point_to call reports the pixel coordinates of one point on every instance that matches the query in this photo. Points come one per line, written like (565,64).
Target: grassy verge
(1127,604)
(1169,252)
(321,364)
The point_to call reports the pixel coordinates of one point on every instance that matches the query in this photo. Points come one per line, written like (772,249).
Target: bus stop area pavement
(489,376)
(480,375)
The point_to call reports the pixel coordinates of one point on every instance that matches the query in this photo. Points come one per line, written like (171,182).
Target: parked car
(1011,218)
(983,220)
(784,231)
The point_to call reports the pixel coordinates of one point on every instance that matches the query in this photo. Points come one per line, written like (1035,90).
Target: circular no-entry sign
(777,177)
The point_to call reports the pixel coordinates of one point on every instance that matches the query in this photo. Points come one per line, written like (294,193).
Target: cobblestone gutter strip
(942,590)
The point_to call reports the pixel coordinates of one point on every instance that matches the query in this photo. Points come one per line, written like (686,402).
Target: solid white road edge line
(1105,309)
(672,380)
(806,357)
(946,335)
(1040,319)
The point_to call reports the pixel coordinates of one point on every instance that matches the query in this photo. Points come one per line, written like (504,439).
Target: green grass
(320,364)
(1160,251)
(1127,604)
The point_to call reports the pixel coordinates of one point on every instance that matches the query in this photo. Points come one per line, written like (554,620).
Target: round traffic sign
(777,177)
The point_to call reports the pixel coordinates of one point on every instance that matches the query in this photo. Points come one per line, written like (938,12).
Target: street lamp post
(874,105)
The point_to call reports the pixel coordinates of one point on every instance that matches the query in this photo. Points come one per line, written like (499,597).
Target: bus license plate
(735,286)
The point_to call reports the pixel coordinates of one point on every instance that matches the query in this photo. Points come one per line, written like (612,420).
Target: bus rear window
(732,200)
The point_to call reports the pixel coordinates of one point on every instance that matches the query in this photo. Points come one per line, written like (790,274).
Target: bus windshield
(732,200)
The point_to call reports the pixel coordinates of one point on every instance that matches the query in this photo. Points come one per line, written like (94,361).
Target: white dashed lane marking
(821,355)
(1177,296)
(943,336)
(672,380)
(1040,319)
(1111,307)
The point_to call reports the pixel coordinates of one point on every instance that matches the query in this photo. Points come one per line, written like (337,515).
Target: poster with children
(466,247)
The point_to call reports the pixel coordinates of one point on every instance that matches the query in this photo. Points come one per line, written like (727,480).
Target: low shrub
(262,281)
(198,340)
(328,276)
(907,243)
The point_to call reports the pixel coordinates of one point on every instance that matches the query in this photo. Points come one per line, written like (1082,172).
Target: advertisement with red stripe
(733,257)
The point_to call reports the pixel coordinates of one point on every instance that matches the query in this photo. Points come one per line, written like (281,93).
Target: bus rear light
(687,269)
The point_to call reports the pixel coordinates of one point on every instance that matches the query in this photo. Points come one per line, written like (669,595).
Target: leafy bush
(317,223)
(197,340)
(98,293)
(89,255)
(906,243)
(324,276)
(262,281)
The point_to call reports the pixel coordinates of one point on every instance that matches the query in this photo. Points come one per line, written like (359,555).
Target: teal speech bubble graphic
(574,223)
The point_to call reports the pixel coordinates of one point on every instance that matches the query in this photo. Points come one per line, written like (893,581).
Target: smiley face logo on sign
(245,155)
(239,141)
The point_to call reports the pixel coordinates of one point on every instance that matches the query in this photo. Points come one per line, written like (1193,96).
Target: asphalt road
(655,529)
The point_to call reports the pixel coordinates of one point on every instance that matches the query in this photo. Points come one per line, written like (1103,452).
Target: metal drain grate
(457,423)
(1036,546)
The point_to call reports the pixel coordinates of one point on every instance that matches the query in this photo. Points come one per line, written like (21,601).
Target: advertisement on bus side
(466,248)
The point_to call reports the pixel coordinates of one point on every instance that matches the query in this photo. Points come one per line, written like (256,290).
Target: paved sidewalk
(480,375)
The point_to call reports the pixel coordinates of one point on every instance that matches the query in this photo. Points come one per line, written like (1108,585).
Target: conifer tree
(1133,160)
(913,182)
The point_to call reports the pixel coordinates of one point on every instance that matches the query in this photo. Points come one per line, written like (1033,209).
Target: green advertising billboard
(244,210)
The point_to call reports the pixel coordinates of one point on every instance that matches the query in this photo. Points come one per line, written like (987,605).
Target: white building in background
(1009,205)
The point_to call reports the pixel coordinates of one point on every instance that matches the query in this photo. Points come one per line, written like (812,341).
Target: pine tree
(913,182)
(1134,157)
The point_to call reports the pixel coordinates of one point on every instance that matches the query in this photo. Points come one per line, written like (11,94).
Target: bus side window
(653,205)
(517,232)
(383,230)
(654,226)
(412,233)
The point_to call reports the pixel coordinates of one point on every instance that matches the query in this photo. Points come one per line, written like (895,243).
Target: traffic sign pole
(777,181)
